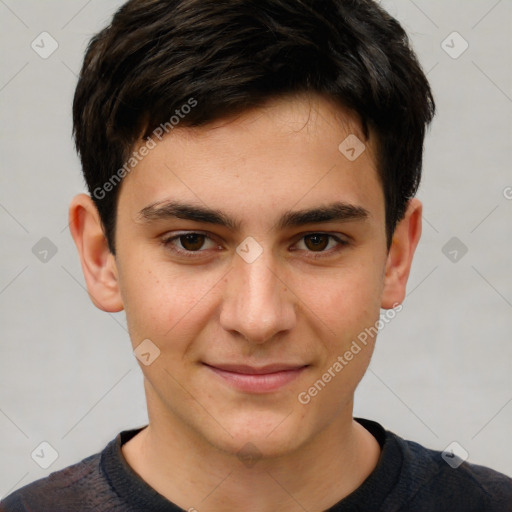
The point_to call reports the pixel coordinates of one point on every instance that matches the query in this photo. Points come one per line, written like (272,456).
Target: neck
(195,475)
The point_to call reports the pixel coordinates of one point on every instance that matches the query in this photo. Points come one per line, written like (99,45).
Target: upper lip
(259,370)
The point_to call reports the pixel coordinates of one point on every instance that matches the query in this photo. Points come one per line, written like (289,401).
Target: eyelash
(167,242)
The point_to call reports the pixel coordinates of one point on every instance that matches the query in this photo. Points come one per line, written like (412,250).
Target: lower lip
(264,383)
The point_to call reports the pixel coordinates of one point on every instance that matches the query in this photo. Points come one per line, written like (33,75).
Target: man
(252,167)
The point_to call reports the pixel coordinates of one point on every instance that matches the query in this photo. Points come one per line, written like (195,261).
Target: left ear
(398,265)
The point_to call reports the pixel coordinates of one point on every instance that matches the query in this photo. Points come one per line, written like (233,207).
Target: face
(252,253)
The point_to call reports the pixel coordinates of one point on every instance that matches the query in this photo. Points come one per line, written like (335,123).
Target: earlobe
(98,263)
(398,265)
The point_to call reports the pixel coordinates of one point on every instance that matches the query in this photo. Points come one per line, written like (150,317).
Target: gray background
(442,370)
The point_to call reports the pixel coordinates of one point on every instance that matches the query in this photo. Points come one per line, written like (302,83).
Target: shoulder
(428,480)
(80,486)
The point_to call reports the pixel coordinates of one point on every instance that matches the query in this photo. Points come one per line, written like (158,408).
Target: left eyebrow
(339,211)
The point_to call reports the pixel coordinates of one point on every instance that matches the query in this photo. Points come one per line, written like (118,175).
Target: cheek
(348,305)
(346,300)
(164,306)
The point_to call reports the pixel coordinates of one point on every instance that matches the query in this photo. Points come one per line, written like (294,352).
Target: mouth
(251,379)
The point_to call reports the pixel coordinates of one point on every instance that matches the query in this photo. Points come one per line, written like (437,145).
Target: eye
(193,244)
(189,243)
(321,243)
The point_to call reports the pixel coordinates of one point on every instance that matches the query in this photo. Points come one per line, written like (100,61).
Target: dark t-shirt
(408,477)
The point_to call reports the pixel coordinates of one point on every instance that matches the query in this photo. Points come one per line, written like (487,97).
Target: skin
(284,307)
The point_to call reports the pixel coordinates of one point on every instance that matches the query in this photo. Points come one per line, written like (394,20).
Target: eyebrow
(337,211)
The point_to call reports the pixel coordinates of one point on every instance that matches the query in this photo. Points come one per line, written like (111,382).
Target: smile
(257,380)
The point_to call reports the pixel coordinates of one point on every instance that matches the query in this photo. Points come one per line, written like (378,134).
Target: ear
(98,263)
(398,265)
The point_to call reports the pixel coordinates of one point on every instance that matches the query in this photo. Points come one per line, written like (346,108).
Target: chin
(254,436)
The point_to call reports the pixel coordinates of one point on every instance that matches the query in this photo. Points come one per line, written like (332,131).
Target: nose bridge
(257,304)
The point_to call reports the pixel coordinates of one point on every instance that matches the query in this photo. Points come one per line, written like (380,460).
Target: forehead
(293,152)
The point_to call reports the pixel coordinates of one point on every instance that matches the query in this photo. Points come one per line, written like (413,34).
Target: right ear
(98,263)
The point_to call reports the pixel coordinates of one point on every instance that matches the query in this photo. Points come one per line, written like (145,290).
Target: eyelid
(342,241)
(167,239)
(340,237)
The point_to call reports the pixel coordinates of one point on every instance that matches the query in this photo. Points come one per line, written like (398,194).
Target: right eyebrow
(174,209)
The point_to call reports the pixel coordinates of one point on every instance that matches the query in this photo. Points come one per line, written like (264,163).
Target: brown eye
(321,245)
(192,241)
(316,242)
(191,245)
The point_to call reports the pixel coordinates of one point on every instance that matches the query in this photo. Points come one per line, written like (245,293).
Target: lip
(263,379)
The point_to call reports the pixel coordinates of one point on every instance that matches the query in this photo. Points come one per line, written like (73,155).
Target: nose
(257,303)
